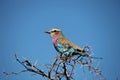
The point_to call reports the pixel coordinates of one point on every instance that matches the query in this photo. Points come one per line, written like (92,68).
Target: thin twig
(61,68)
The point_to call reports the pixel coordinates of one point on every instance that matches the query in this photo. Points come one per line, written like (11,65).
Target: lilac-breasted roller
(63,45)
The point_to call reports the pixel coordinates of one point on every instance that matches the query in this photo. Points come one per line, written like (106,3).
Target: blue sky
(92,22)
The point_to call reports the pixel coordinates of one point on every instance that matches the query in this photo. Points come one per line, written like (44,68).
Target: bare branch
(62,67)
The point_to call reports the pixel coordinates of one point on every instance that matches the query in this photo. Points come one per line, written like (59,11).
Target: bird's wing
(65,42)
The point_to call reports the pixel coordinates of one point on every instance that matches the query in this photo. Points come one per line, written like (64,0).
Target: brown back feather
(64,41)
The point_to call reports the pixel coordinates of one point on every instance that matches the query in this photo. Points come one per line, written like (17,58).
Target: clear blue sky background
(92,22)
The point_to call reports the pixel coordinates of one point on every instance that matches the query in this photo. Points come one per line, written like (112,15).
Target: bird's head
(55,33)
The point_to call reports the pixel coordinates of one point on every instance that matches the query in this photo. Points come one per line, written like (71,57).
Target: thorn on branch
(62,67)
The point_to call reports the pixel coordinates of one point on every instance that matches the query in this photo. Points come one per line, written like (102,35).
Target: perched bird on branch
(63,45)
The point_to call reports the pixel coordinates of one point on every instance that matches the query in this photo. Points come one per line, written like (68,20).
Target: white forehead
(55,29)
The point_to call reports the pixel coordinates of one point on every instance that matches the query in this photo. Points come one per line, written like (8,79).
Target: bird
(63,45)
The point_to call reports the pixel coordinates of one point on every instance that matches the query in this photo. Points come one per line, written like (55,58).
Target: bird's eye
(55,31)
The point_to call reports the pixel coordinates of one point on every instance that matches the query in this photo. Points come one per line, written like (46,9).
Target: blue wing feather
(65,49)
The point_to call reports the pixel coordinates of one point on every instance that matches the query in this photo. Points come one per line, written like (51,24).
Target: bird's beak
(47,32)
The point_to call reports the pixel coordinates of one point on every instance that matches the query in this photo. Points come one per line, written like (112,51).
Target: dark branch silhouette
(62,67)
